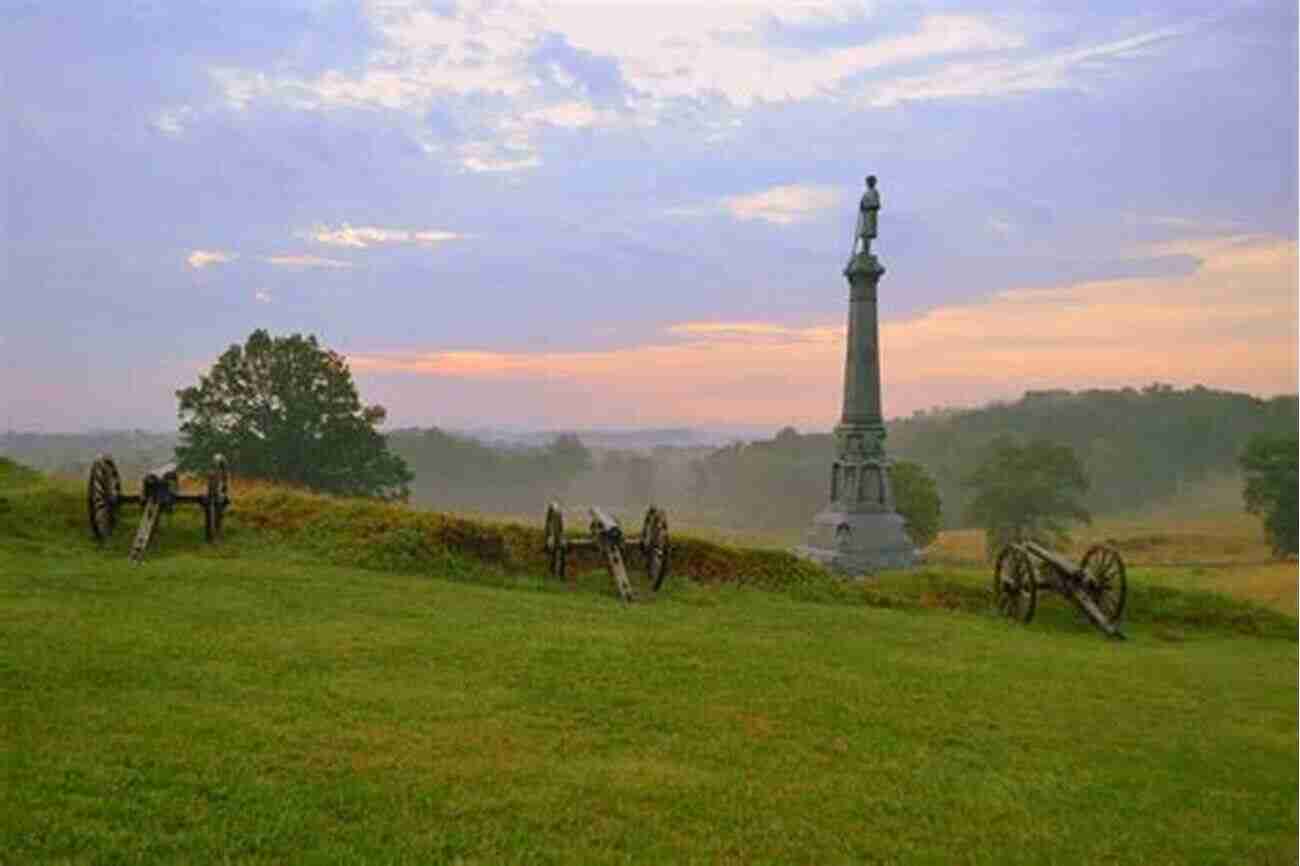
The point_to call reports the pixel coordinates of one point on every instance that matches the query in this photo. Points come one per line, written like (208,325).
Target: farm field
(345,682)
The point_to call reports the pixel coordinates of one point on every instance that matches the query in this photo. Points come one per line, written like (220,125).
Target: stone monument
(859,531)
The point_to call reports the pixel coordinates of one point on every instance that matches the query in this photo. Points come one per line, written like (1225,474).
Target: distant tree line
(1135,447)
(454,472)
(1132,447)
(70,454)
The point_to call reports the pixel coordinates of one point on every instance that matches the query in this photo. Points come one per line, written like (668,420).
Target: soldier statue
(867,210)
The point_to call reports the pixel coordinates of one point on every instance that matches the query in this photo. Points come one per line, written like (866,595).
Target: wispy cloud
(200,259)
(361,237)
(1003,75)
(1231,323)
(783,204)
(756,331)
(173,121)
(262,296)
(307,261)
(670,51)
(501,66)
(664,50)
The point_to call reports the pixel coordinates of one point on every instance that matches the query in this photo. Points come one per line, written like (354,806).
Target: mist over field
(1138,446)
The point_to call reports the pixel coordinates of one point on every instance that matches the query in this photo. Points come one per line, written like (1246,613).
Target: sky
(559,215)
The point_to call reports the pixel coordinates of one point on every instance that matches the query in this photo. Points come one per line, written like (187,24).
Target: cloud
(507,70)
(594,77)
(200,259)
(1183,226)
(606,55)
(515,76)
(262,296)
(670,51)
(1005,75)
(361,237)
(755,331)
(571,115)
(480,164)
(1231,324)
(307,261)
(999,226)
(172,121)
(783,204)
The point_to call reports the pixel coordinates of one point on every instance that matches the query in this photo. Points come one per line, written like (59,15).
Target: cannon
(159,494)
(1098,586)
(608,538)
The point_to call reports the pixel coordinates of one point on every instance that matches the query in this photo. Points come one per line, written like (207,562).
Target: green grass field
(345,682)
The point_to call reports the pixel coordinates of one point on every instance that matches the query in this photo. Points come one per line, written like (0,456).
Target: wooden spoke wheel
(218,498)
(654,546)
(556,551)
(103,497)
(1105,580)
(1015,584)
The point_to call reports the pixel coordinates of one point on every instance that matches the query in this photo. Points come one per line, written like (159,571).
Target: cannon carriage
(159,494)
(1098,586)
(607,537)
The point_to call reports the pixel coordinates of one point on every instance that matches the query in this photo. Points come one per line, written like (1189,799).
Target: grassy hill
(351,682)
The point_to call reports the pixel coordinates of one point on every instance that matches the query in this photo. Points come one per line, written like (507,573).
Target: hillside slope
(255,702)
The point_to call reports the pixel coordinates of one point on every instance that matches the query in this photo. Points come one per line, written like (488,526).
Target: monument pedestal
(860,531)
(856,544)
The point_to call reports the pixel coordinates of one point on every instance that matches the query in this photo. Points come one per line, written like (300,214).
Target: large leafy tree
(285,409)
(1269,466)
(1027,492)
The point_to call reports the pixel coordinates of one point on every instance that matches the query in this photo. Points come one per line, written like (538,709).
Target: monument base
(855,543)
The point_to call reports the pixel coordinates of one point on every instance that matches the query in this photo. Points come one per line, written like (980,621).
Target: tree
(567,457)
(916,496)
(634,474)
(1269,464)
(1027,493)
(284,409)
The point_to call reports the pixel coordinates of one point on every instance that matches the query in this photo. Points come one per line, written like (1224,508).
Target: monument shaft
(862,360)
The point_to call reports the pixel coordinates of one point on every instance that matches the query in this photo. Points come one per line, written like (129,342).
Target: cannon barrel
(606,526)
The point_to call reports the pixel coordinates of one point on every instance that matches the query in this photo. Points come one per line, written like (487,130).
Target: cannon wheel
(103,495)
(214,508)
(1106,580)
(555,547)
(654,545)
(1015,584)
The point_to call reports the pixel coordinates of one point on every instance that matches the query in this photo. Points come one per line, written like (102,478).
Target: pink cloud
(1231,324)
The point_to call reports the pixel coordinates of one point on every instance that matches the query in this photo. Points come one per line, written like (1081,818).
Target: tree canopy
(1027,492)
(1269,467)
(916,496)
(286,409)
(1137,446)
